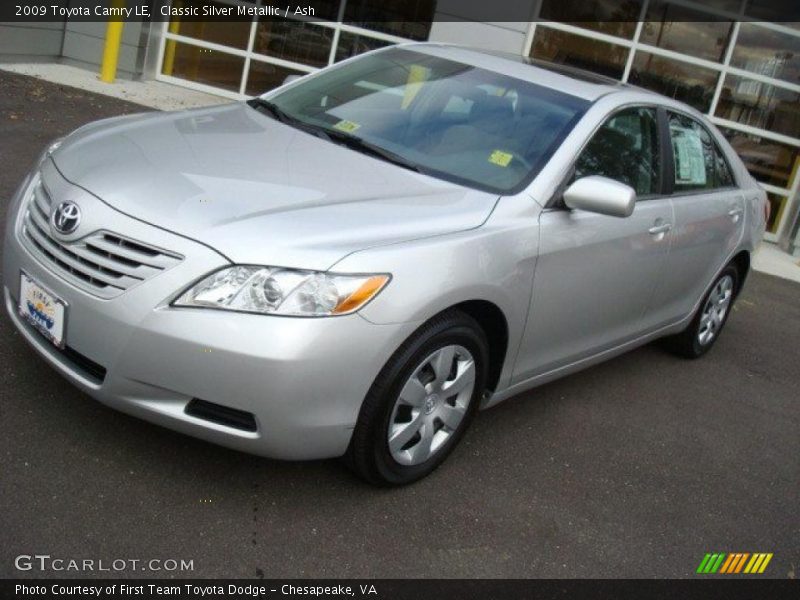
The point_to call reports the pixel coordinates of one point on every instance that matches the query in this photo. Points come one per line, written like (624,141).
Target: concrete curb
(154,94)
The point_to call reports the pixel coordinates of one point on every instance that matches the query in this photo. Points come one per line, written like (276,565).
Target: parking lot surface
(634,468)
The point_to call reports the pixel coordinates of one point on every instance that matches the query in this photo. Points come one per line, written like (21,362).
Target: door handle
(664,228)
(735,213)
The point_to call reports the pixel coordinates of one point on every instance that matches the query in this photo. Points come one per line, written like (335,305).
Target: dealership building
(729,59)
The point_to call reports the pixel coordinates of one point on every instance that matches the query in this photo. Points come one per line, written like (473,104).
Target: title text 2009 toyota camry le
(356,262)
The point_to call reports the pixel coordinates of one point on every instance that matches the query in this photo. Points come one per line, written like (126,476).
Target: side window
(699,163)
(626,149)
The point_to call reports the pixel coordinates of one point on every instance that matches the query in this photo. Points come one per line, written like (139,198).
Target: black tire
(687,343)
(369,455)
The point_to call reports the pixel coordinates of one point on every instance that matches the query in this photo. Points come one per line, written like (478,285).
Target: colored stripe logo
(734,562)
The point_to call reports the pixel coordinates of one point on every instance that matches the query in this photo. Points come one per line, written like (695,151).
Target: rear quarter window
(699,164)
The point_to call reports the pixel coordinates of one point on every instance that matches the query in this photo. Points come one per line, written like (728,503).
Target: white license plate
(42,309)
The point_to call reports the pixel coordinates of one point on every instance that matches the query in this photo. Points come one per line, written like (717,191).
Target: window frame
(665,167)
(670,182)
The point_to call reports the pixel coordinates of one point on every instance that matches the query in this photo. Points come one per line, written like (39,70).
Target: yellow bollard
(108,69)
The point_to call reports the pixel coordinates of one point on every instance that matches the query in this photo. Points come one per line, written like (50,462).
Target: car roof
(571,80)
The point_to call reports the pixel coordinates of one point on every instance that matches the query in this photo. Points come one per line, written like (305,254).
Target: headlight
(273,290)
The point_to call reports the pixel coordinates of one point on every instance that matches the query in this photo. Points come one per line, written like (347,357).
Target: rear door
(596,274)
(709,217)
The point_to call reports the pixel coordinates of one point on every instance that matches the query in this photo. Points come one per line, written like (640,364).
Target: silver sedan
(355,263)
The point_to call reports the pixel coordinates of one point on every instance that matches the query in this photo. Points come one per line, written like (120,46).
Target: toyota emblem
(66,217)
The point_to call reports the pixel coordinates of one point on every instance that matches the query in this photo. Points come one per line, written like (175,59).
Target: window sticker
(690,167)
(500,158)
(346,126)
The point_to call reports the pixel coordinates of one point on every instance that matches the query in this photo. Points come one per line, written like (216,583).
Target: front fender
(493,263)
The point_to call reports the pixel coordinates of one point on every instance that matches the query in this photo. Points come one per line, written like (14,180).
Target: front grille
(103,263)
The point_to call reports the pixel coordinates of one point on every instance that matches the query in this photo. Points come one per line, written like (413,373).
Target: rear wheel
(711,316)
(422,402)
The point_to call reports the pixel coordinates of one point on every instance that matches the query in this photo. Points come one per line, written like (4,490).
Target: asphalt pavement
(634,468)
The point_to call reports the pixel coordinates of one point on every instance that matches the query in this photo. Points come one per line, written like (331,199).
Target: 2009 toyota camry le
(356,262)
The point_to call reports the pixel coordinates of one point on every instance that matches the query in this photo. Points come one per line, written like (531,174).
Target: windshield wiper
(281,115)
(272,108)
(332,135)
(362,145)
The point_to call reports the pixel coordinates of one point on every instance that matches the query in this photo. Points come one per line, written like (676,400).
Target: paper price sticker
(347,126)
(689,160)
(500,158)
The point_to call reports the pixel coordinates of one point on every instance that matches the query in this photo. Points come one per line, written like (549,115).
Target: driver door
(596,274)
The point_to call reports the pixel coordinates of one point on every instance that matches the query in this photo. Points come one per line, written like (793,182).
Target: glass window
(760,105)
(688,83)
(626,149)
(202,65)
(579,51)
(780,11)
(766,52)
(296,41)
(777,206)
(606,16)
(351,44)
(768,161)
(230,33)
(410,20)
(699,165)
(731,6)
(450,120)
(327,10)
(683,30)
(265,76)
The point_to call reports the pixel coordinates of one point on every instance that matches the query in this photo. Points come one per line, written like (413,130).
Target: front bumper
(302,379)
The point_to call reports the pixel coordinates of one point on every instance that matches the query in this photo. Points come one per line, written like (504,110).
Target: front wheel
(711,316)
(421,402)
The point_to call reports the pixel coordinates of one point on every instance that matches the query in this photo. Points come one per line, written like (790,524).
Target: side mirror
(601,195)
(290,78)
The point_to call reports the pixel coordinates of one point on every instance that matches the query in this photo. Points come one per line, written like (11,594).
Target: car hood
(260,191)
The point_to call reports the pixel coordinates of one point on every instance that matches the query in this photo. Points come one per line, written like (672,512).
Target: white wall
(34,39)
(83,45)
(74,42)
(459,22)
(505,37)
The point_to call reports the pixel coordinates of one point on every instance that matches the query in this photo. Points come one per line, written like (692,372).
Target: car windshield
(444,118)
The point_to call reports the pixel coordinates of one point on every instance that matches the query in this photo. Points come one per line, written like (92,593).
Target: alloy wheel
(715,310)
(431,405)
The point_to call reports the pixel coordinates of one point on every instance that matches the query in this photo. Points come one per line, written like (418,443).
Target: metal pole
(108,69)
